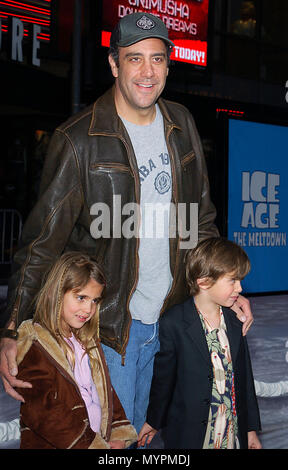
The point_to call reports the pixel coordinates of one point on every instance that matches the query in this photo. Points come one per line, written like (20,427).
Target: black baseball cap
(136,27)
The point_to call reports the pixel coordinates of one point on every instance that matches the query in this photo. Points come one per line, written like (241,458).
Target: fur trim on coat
(54,414)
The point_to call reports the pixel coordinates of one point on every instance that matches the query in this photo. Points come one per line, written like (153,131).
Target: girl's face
(79,307)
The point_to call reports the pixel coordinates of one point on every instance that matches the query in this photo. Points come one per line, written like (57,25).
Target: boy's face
(225,291)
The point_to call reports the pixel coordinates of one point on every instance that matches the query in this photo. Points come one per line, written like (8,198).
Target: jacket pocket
(110,167)
(187,160)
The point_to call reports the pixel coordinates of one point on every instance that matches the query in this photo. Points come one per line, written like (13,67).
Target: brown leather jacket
(54,415)
(90,160)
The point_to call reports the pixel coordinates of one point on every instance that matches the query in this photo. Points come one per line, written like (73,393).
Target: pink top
(83,377)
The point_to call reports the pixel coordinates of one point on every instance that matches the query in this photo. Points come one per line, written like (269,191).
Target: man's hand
(243,311)
(146,435)
(9,369)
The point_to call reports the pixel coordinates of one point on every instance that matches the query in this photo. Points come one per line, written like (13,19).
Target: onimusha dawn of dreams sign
(186,21)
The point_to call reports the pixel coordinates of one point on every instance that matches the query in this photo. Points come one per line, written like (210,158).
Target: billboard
(187,23)
(257,201)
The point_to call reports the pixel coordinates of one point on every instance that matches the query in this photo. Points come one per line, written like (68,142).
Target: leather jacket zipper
(175,200)
(137,197)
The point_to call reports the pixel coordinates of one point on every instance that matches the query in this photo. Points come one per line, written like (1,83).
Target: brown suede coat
(54,415)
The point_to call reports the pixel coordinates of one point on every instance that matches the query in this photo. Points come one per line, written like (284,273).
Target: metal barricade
(10,230)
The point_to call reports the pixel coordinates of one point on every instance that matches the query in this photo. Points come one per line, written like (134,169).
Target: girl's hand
(117,444)
(253,441)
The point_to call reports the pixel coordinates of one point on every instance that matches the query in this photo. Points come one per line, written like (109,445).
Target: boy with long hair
(202,393)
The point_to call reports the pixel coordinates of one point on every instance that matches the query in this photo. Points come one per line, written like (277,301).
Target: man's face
(140,77)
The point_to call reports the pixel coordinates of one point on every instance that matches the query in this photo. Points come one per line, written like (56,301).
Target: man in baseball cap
(139,57)
(140,42)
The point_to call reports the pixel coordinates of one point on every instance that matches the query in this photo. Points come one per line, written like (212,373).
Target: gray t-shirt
(153,161)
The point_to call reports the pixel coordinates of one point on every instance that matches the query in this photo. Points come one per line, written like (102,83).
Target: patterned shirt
(222,427)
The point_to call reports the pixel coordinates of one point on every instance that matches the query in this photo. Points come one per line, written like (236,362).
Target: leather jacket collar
(103,122)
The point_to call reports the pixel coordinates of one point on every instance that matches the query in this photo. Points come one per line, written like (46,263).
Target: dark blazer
(182,382)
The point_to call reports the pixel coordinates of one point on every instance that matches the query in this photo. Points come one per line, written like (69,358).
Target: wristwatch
(6,333)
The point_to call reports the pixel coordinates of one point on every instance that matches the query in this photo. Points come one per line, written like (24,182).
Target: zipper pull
(123,360)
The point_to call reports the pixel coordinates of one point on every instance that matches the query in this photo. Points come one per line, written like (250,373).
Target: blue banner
(258,201)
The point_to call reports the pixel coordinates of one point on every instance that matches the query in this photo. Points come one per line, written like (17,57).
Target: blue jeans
(133,380)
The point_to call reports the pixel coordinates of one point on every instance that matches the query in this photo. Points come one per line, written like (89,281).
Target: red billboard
(186,21)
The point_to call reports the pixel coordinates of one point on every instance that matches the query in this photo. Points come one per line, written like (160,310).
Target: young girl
(71,404)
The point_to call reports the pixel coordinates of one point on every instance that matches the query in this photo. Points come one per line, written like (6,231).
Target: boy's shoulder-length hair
(213,258)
